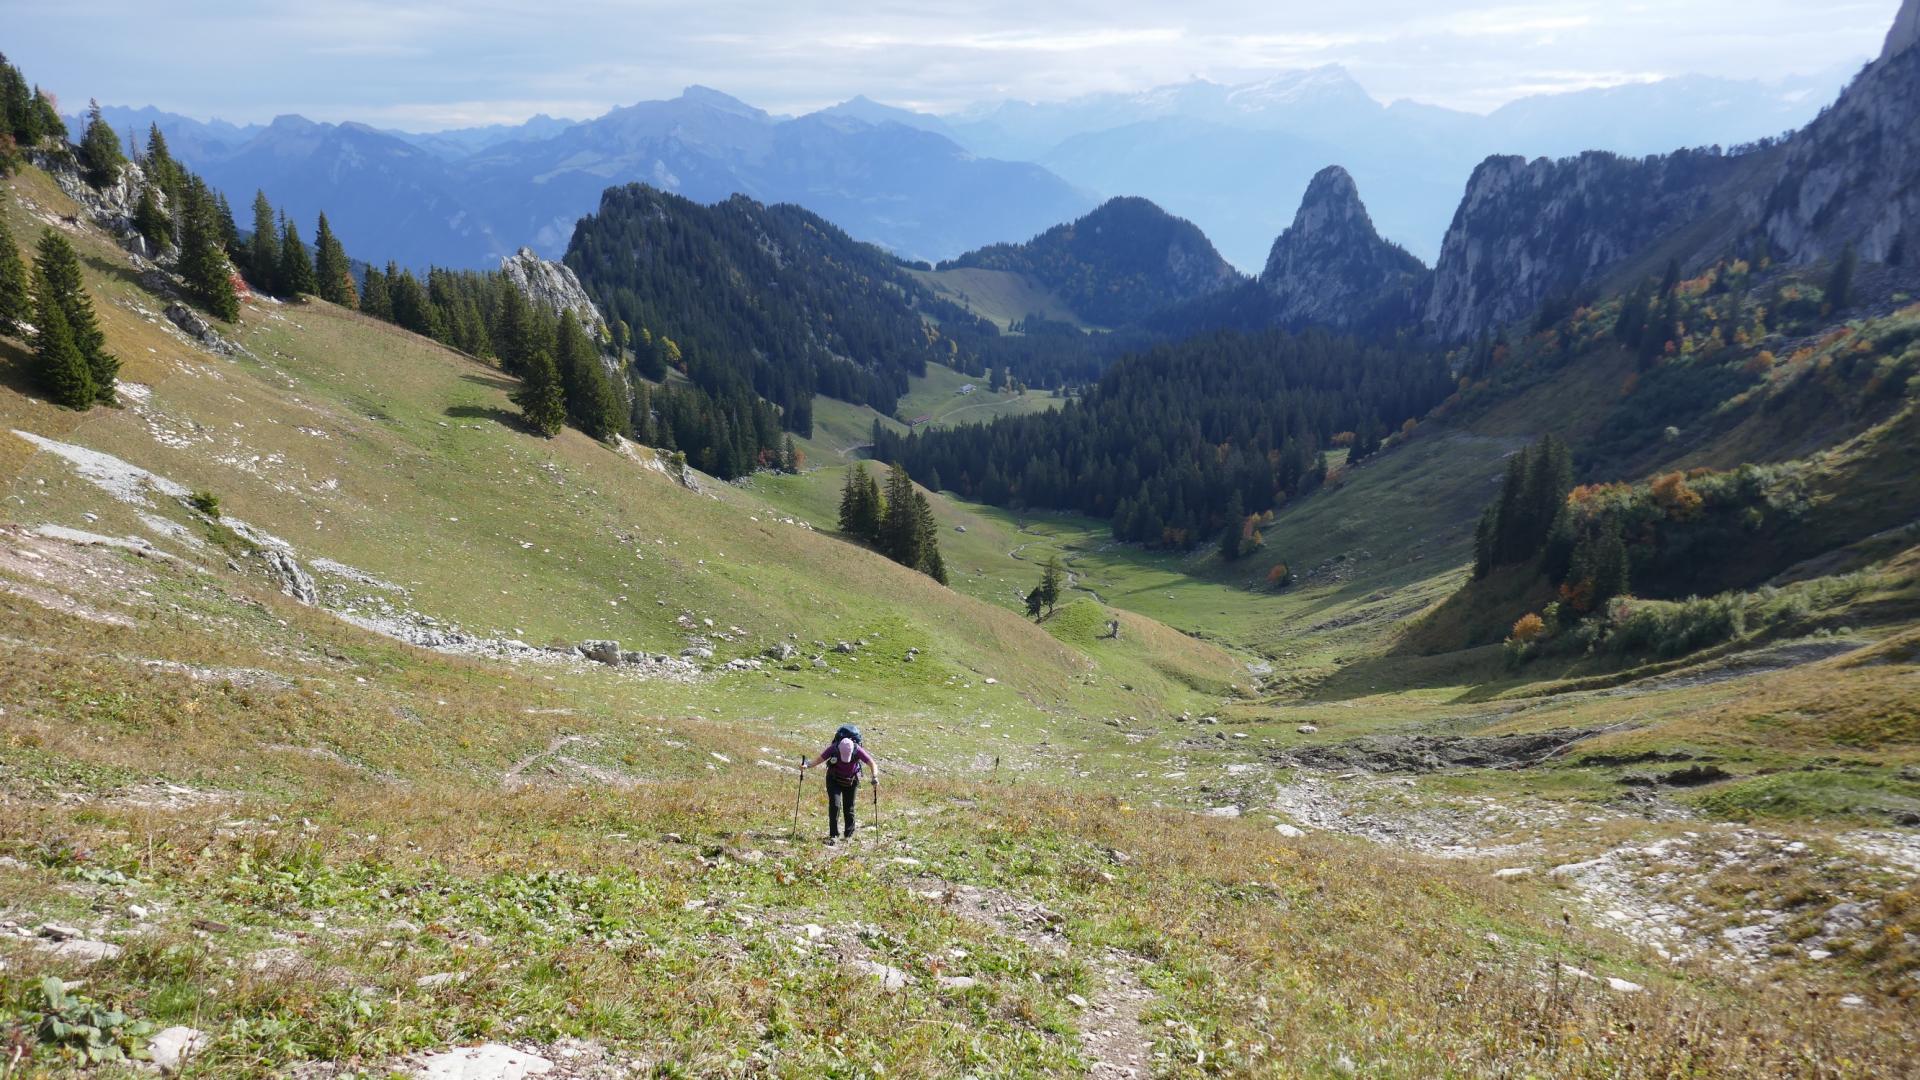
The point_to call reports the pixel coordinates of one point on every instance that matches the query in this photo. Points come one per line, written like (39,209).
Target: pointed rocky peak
(1906,31)
(554,287)
(720,102)
(1331,267)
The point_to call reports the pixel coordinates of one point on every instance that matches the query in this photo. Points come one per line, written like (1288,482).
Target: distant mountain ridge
(1118,264)
(1214,153)
(468,198)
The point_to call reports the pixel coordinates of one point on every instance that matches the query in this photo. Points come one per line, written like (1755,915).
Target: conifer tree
(58,282)
(540,397)
(150,221)
(1231,537)
(295,275)
(791,456)
(203,259)
(263,248)
(47,120)
(1052,580)
(16,299)
(374,299)
(160,166)
(930,562)
(899,538)
(860,505)
(593,405)
(100,149)
(332,271)
(640,414)
(228,230)
(58,365)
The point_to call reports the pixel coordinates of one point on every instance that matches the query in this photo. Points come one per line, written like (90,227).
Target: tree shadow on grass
(126,275)
(498,415)
(16,369)
(493,382)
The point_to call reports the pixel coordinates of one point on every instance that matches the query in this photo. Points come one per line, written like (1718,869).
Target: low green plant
(78,1028)
(205,502)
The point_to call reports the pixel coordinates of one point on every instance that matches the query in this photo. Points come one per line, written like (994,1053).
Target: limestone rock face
(1527,230)
(1848,177)
(1331,268)
(1905,33)
(553,286)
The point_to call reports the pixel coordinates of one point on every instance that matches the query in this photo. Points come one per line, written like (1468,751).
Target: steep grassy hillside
(1002,297)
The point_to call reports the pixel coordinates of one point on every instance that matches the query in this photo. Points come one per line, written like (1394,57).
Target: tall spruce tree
(930,561)
(47,116)
(900,536)
(16,297)
(332,270)
(59,367)
(100,150)
(296,266)
(541,398)
(203,258)
(861,505)
(593,404)
(150,221)
(263,248)
(161,168)
(1053,578)
(374,298)
(58,281)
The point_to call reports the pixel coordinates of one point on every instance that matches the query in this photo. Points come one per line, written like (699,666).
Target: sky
(426,64)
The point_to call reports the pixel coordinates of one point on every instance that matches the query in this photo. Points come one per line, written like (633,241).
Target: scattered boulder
(294,580)
(1306,729)
(1291,832)
(958,982)
(1513,872)
(199,329)
(697,652)
(172,1047)
(843,647)
(781,651)
(604,652)
(892,979)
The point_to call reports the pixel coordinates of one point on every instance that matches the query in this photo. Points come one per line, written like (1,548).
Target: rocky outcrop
(1331,268)
(553,286)
(1849,177)
(1905,33)
(1526,231)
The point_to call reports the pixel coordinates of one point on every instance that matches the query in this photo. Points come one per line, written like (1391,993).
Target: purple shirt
(845,770)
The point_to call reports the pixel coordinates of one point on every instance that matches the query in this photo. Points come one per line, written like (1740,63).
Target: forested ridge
(1124,260)
(1175,443)
(771,299)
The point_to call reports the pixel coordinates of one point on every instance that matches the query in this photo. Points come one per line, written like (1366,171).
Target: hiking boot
(832,840)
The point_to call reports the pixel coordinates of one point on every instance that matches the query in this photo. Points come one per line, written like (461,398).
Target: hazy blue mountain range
(1234,159)
(466,198)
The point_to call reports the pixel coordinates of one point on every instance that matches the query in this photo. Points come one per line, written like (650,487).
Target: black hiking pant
(840,800)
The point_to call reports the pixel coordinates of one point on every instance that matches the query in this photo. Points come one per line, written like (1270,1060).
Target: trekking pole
(798,791)
(876,802)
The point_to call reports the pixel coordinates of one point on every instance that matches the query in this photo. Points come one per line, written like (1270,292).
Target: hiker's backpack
(847,731)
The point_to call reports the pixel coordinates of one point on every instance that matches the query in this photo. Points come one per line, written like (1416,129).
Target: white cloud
(440,62)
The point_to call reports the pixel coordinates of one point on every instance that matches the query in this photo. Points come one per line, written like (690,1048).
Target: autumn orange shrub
(1527,628)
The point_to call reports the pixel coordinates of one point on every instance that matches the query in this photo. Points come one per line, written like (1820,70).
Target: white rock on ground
(891,978)
(489,1061)
(957,982)
(173,1046)
(1624,986)
(1289,831)
(1513,872)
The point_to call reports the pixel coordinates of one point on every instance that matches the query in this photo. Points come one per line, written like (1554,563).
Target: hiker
(843,757)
